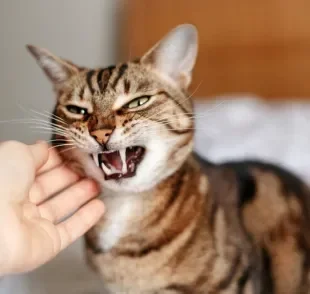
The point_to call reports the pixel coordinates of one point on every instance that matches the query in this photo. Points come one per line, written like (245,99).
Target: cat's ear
(175,55)
(57,69)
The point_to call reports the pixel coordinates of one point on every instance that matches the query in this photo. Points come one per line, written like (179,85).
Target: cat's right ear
(174,56)
(57,69)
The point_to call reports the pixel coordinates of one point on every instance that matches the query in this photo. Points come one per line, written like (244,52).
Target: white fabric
(226,129)
(249,128)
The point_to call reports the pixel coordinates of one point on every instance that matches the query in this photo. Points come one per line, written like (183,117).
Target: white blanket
(226,129)
(249,128)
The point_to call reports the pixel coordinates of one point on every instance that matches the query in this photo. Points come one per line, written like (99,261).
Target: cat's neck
(138,214)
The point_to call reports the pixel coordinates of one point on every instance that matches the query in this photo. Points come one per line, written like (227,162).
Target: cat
(174,222)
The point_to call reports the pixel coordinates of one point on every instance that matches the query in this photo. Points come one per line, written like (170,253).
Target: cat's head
(131,124)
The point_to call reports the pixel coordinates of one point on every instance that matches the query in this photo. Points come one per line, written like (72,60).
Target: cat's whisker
(167,101)
(153,130)
(190,114)
(165,121)
(183,100)
(38,119)
(62,135)
(55,116)
(50,129)
(193,93)
(49,115)
(38,124)
(60,140)
(77,141)
(61,145)
(18,120)
(67,149)
(35,122)
(48,123)
(159,112)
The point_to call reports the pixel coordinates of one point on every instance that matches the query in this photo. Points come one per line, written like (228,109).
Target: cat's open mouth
(117,164)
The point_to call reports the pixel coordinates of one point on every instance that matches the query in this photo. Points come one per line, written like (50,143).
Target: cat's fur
(177,226)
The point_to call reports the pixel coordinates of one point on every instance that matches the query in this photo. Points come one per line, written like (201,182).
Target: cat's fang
(106,170)
(96,160)
(122,153)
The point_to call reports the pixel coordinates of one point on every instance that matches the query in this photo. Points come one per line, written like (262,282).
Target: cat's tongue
(114,160)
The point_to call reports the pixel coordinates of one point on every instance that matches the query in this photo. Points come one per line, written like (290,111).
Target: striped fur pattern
(180,225)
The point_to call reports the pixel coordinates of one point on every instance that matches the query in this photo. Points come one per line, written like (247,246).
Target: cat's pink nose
(101,136)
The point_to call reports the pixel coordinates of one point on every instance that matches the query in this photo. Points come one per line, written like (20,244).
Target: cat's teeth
(122,153)
(106,170)
(114,170)
(109,170)
(95,156)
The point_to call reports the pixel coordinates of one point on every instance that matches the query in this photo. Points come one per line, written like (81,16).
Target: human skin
(35,227)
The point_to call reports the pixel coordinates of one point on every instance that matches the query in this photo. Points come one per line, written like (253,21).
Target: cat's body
(172,224)
(231,228)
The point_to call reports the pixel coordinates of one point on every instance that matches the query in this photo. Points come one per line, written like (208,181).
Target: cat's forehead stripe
(99,79)
(103,78)
(82,91)
(121,71)
(126,86)
(89,76)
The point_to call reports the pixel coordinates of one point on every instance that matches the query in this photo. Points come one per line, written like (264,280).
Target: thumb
(40,153)
(19,164)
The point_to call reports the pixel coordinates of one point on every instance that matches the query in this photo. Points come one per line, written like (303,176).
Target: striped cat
(174,223)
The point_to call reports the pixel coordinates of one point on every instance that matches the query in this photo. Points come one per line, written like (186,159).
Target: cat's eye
(77,110)
(137,102)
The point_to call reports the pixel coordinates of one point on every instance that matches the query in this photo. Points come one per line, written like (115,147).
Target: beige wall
(81,30)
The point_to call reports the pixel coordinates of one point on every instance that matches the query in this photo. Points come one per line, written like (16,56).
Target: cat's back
(272,205)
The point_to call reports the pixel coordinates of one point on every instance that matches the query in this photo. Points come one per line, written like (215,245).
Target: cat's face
(131,125)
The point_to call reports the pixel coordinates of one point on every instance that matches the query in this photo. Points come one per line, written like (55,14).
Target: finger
(68,201)
(80,222)
(39,153)
(53,161)
(51,182)
(20,161)
(16,154)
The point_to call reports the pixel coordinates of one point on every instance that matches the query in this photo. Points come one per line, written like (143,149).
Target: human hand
(32,229)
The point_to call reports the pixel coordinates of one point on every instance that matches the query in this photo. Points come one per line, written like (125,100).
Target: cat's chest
(122,212)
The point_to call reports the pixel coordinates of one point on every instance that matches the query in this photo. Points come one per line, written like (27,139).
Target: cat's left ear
(175,55)
(57,69)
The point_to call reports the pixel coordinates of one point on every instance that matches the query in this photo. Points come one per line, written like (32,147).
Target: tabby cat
(174,223)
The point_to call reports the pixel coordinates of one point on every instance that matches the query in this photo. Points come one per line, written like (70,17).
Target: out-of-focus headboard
(261,47)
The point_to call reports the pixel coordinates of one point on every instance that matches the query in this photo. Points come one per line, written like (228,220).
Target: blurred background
(260,47)
(250,87)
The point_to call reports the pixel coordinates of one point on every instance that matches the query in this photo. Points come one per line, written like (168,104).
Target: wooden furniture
(260,47)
